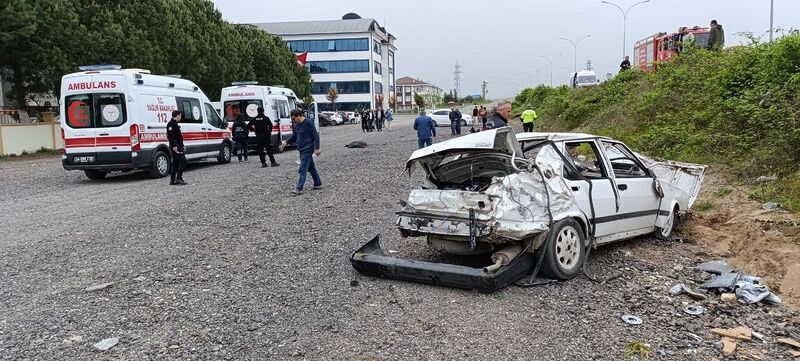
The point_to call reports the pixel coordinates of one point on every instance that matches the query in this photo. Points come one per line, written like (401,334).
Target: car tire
(463,123)
(95,174)
(664,233)
(564,250)
(160,166)
(225,153)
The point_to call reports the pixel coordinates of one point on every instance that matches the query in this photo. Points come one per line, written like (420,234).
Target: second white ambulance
(115,120)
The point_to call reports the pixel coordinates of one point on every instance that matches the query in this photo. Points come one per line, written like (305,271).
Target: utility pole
(483,90)
(624,21)
(588,65)
(771,13)
(457,79)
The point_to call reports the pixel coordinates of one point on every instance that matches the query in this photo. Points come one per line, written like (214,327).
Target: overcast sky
(501,41)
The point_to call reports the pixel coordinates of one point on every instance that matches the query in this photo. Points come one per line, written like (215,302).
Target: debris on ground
(682,288)
(637,349)
(739,333)
(715,267)
(728,345)
(632,320)
(693,310)
(769,206)
(107,343)
(791,342)
(98,287)
(749,292)
(728,297)
(356,144)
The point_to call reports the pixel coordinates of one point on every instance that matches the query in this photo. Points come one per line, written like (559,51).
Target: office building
(355,56)
(407,86)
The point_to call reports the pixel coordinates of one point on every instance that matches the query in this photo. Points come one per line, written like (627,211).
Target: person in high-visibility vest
(528,116)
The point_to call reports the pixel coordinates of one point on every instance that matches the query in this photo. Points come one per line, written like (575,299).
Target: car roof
(557,136)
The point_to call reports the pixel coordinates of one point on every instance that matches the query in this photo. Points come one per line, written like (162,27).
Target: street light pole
(771,12)
(551,67)
(624,21)
(575,49)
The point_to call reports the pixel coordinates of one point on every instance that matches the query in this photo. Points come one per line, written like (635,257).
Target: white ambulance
(244,98)
(115,120)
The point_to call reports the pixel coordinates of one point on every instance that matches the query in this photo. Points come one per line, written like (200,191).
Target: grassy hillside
(738,108)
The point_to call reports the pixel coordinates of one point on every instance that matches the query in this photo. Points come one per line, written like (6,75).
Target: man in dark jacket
(241,133)
(625,65)
(307,139)
(455,121)
(177,149)
(380,117)
(502,113)
(426,130)
(716,36)
(262,126)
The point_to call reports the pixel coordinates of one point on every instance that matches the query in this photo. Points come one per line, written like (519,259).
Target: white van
(244,98)
(115,120)
(583,78)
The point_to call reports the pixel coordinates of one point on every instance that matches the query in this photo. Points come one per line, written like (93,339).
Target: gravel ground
(232,267)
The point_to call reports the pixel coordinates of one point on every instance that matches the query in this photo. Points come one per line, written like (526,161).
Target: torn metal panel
(687,177)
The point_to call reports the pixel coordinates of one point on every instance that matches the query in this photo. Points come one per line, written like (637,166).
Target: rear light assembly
(135,146)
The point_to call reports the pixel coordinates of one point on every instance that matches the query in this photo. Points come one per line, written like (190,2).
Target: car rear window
(96,110)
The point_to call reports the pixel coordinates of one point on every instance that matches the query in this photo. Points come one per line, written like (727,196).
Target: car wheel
(95,174)
(463,123)
(225,154)
(160,166)
(565,250)
(663,233)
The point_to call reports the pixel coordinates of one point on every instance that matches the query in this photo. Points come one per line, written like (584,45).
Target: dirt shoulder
(761,242)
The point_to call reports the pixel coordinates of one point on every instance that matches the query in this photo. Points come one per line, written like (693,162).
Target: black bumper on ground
(369,260)
(109,161)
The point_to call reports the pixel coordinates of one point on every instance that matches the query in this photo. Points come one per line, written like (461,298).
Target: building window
(342,87)
(391,70)
(338,66)
(378,69)
(376,47)
(315,46)
(378,88)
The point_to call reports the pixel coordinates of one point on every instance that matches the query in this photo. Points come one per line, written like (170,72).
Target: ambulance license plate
(83,159)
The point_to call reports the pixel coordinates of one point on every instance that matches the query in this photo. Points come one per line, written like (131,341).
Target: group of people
(372,120)
(304,136)
(426,127)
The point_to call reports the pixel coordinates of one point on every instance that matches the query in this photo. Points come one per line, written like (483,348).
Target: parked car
(335,117)
(325,120)
(559,195)
(442,117)
(348,117)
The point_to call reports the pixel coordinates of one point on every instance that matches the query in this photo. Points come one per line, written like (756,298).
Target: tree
(308,99)
(333,94)
(449,97)
(419,100)
(379,100)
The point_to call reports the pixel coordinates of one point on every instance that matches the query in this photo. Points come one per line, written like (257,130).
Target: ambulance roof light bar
(251,82)
(98,67)
(176,76)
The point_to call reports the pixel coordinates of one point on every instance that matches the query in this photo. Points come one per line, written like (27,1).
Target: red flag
(301,58)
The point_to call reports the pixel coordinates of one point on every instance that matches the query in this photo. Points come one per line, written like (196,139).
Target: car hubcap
(667,229)
(162,165)
(568,250)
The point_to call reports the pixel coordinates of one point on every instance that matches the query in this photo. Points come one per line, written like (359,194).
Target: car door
(193,127)
(591,185)
(218,130)
(638,201)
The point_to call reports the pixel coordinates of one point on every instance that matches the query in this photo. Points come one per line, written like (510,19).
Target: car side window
(190,107)
(585,160)
(623,162)
(213,118)
(441,112)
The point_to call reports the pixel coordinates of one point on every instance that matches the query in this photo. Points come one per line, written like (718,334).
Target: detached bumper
(369,260)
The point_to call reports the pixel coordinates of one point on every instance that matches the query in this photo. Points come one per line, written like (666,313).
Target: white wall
(14,139)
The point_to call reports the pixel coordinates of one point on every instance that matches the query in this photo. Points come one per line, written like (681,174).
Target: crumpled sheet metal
(715,267)
(687,177)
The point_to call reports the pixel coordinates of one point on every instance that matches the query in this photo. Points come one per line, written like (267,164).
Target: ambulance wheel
(225,154)
(160,166)
(564,250)
(95,174)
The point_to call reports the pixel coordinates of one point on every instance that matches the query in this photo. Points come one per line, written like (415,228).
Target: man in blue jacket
(307,139)
(426,130)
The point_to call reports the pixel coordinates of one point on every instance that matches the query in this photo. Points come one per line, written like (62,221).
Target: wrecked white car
(534,201)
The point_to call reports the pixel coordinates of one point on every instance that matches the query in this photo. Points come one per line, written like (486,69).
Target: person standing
(483,115)
(455,121)
(177,149)
(241,133)
(307,139)
(528,116)
(625,64)
(716,36)
(389,118)
(363,116)
(475,114)
(262,126)
(379,119)
(502,112)
(426,130)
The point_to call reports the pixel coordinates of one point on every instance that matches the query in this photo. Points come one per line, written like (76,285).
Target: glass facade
(342,87)
(315,46)
(343,106)
(338,66)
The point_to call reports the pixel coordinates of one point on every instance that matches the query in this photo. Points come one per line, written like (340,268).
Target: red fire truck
(661,47)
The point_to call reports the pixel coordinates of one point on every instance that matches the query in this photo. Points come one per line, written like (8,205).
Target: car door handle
(622,187)
(103,134)
(576,188)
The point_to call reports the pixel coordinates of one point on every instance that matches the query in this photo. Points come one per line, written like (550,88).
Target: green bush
(739,107)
